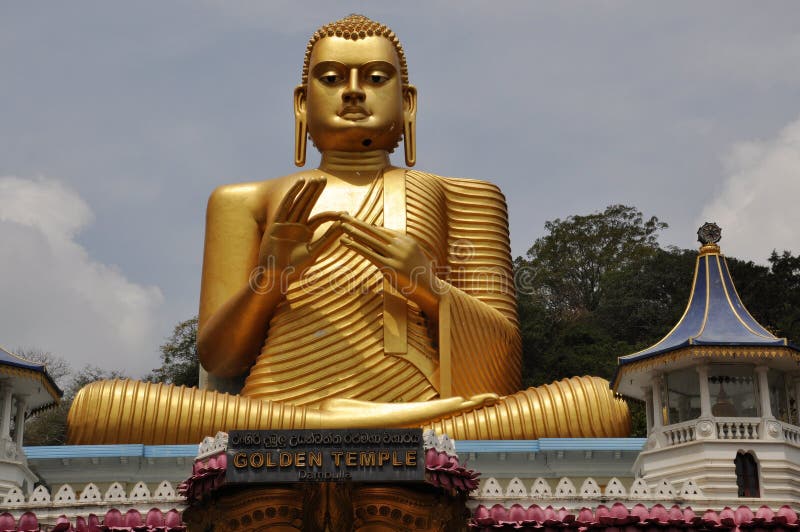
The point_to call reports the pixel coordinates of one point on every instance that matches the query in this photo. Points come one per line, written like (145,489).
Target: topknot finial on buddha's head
(355,27)
(708,235)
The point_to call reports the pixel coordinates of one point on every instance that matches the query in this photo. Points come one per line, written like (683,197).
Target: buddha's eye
(377,78)
(330,78)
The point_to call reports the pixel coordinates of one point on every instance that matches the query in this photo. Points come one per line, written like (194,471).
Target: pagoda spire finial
(708,235)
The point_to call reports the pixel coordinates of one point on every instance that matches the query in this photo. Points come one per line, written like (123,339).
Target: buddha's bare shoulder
(252,197)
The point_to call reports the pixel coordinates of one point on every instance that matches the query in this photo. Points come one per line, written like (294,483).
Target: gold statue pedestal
(221,500)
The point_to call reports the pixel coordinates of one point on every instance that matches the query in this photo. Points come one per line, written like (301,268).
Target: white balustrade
(738,428)
(680,433)
(791,433)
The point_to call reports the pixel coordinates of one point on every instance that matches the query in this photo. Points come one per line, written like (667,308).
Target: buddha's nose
(353,93)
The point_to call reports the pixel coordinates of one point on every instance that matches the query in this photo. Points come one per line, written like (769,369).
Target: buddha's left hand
(400,258)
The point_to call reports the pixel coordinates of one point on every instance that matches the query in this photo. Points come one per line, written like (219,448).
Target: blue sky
(118,119)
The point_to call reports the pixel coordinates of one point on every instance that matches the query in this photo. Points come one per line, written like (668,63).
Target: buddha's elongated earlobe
(410,124)
(300,140)
(409,142)
(300,126)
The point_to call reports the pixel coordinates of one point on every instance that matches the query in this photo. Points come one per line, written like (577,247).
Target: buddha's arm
(478,316)
(246,273)
(233,317)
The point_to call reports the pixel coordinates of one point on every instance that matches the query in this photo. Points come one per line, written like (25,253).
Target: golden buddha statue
(358,294)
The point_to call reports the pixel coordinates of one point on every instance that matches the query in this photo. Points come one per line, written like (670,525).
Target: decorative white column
(763,391)
(705,395)
(20,420)
(5,414)
(658,411)
(797,400)
(648,407)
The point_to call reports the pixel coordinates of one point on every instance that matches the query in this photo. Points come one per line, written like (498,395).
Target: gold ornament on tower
(357,294)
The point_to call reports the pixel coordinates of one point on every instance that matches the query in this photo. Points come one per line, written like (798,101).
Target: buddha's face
(354,100)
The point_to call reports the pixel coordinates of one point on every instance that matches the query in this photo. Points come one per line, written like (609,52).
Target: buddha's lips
(353,113)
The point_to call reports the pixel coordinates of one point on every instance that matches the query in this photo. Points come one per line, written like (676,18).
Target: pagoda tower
(721,394)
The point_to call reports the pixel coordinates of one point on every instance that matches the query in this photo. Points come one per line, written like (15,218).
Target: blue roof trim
(497,446)
(715,315)
(550,444)
(83,451)
(592,444)
(462,446)
(164,451)
(44,452)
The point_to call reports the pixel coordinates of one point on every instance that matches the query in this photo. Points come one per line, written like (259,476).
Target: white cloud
(758,207)
(55,297)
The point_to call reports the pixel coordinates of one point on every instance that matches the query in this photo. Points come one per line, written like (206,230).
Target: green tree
(588,291)
(179,362)
(784,312)
(771,293)
(562,283)
(569,263)
(645,299)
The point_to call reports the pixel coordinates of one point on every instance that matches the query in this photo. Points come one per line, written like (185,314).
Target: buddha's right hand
(287,249)
(346,413)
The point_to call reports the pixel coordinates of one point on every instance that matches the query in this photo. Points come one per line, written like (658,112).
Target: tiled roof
(714,316)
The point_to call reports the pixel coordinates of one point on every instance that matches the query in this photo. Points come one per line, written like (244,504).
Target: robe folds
(327,338)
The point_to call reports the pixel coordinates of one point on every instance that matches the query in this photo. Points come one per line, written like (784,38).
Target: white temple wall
(711,465)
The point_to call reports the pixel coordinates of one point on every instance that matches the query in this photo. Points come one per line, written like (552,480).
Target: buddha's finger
(481,400)
(293,213)
(371,255)
(323,217)
(317,247)
(288,199)
(386,234)
(308,198)
(365,238)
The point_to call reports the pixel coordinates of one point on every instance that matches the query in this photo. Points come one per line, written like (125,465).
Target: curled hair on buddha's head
(356,27)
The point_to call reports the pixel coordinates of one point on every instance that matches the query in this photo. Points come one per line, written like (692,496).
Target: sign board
(269,456)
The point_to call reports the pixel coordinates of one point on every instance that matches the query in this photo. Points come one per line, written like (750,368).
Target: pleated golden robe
(328,338)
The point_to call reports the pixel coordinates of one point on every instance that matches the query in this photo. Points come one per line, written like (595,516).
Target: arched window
(747,475)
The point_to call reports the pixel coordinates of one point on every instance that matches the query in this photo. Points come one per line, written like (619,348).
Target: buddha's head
(355,95)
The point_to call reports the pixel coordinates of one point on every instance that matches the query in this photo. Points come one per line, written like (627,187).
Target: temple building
(721,394)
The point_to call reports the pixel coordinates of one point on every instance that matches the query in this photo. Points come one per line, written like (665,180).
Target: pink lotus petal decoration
(619,518)
(7,522)
(28,522)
